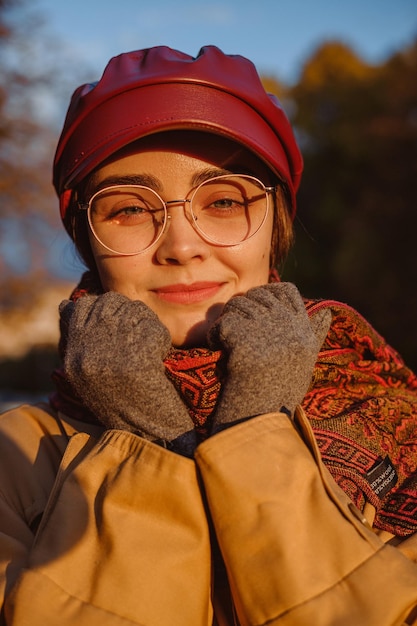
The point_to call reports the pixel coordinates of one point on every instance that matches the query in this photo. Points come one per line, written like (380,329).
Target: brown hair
(282,232)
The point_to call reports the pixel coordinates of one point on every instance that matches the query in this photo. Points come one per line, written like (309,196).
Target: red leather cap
(158,89)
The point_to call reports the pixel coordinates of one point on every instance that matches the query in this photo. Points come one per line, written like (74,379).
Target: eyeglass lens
(225,210)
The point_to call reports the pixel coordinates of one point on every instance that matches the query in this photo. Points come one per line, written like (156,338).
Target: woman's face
(184,279)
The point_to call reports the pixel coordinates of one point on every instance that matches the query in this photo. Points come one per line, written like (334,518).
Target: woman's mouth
(188,294)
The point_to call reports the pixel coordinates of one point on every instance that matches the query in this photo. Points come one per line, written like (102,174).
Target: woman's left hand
(272,347)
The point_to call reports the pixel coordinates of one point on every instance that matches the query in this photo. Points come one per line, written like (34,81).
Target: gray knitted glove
(272,348)
(114,361)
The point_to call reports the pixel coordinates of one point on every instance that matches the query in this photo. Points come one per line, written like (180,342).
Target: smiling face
(184,279)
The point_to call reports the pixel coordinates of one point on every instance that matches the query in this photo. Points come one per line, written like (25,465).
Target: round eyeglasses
(225,210)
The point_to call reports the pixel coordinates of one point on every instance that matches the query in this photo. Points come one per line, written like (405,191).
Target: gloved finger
(258,312)
(77,313)
(236,310)
(138,311)
(118,309)
(263,300)
(320,323)
(108,308)
(66,309)
(240,305)
(98,309)
(275,294)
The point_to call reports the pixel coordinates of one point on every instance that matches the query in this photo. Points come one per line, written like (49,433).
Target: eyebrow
(148,180)
(207,174)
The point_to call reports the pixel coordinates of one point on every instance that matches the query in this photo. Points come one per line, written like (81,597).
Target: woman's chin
(193,334)
(196,336)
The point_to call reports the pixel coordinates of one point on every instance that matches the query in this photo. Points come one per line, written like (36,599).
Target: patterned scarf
(362,406)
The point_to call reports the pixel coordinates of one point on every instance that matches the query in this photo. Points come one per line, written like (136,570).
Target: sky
(277,35)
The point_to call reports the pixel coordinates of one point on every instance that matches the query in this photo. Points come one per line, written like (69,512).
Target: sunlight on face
(184,279)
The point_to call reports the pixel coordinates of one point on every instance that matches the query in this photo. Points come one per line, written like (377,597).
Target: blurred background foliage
(36,78)
(357,220)
(356,225)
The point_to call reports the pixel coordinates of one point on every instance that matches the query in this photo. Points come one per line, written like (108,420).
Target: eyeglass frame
(86,206)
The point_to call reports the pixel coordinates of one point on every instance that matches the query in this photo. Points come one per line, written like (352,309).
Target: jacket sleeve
(123,540)
(296,549)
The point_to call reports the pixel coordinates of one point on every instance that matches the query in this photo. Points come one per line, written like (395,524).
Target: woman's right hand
(114,361)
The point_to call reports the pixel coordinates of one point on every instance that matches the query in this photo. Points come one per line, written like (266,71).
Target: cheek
(250,263)
(121,274)
(253,259)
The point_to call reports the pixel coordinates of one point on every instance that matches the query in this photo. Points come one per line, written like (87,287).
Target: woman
(175,478)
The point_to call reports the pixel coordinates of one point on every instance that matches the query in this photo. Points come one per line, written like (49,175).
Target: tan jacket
(104,528)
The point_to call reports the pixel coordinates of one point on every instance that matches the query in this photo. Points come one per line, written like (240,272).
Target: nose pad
(180,242)
(187,213)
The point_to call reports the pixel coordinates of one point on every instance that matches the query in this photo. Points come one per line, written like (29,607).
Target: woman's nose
(181,244)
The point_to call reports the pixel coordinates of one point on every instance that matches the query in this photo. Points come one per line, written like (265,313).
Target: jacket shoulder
(32,443)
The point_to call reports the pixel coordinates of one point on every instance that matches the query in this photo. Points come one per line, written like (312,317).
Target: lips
(188,294)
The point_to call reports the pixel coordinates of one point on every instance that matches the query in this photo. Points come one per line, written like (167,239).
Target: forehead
(210,149)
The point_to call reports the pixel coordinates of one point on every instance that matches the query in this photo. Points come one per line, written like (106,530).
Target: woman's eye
(224,203)
(132,209)
(132,212)
(131,206)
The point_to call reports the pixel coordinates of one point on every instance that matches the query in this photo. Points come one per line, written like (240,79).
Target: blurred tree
(24,139)
(357,218)
(273,85)
(31,91)
(279,89)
